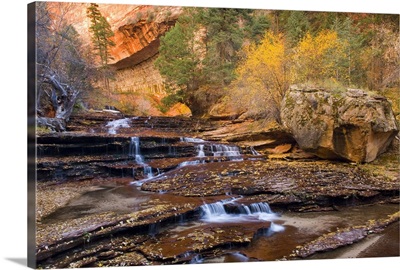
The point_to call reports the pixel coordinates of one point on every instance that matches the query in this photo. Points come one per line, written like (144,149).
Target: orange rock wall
(142,78)
(137,32)
(137,43)
(135,35)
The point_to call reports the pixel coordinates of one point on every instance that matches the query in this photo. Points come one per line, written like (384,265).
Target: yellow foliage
(318,57)
(268,69)
(263,75)
(265,64)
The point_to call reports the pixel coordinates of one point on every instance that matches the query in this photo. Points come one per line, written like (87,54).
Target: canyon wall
(137,40)
(140,78)
(137,35)
(137,31)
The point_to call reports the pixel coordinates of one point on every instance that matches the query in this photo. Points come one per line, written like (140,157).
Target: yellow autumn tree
(319,57)
(262,77)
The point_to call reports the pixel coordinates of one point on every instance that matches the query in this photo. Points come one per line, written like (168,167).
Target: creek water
(285,231)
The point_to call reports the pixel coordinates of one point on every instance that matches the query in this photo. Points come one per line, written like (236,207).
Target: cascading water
(148,171)
(217,150)
(220,150)
(201,150)
(134,151)
(214,212)
(191,140)
(114,125)
(217,213)
(190,162)
(213,209)
(260,208)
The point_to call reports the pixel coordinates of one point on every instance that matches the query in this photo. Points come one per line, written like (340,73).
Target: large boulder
(350,125)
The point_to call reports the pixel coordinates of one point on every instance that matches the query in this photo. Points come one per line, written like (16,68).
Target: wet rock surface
(158,192)
(320,182)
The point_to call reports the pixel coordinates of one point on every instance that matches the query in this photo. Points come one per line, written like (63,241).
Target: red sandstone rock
(353,125)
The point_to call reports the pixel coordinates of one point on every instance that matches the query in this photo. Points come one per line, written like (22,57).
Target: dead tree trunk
(63,98)
(55,124)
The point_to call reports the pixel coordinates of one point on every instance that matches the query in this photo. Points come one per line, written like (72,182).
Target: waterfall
(213,209)
(114,125)
(134,150)
(260,208)
(148,171)
(217,150)
(244,209)
(217,212)
(191,140)
(220,150)
(219,209)
(190,162)
(201,150)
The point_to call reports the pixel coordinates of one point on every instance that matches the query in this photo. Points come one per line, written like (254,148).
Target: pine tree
(180,54)
(224,38)
(256,27)
(297,26)
(351,44)
(101,34)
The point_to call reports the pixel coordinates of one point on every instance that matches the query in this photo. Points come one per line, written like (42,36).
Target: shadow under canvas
(20,261)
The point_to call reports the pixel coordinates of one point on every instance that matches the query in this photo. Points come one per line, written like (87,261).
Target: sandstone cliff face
(137,37)
(353,126)
(137,31)
(75,14)
(142,77)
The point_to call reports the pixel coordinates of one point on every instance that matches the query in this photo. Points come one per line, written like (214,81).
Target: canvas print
(166,135)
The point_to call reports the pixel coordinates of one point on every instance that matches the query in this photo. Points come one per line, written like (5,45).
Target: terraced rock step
(96,122)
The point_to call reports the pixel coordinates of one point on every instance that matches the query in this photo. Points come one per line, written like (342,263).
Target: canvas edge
(31,136)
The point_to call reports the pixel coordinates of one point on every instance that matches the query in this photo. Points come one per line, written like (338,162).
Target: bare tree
(62,73)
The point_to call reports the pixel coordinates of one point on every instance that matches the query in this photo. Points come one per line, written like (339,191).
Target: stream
(149,198)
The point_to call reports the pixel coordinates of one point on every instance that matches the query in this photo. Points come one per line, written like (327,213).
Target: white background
(13,147)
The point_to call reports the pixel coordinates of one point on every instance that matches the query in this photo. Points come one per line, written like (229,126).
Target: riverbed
(120,196)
